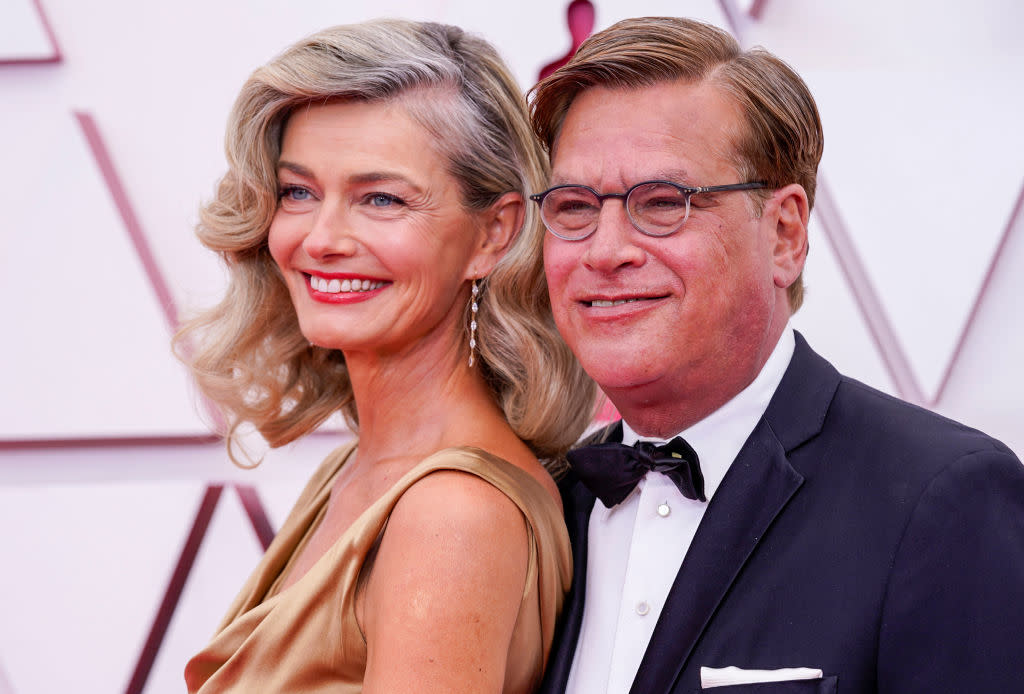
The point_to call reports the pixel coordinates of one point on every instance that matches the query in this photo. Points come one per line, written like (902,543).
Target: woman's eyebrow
(298,169)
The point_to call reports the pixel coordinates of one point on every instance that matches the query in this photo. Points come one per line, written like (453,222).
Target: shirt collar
(719,437)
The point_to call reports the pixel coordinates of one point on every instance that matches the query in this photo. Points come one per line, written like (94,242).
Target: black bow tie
(611,470)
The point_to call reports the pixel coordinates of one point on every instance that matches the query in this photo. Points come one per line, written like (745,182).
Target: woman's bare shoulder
(446,587)
(517,457)
(450,499)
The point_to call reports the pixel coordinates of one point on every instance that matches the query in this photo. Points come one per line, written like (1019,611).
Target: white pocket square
(721,677)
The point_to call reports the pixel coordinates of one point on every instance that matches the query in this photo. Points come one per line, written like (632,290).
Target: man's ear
(790,212)
(499,225)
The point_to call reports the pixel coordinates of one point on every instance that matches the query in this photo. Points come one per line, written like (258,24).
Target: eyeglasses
(656,208)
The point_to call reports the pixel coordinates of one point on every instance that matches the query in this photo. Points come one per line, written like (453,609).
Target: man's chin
(613,374)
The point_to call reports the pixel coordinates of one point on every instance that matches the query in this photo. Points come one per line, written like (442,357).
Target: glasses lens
(658,209)
(570,212)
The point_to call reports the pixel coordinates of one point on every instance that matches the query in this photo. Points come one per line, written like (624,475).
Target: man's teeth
(601,302)
(322,284)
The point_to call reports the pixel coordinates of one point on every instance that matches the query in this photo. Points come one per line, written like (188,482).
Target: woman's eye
(296,193)
(383,200)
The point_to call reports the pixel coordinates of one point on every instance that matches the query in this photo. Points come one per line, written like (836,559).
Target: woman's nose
(332,232)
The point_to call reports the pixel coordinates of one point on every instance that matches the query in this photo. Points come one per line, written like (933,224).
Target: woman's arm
(445,589)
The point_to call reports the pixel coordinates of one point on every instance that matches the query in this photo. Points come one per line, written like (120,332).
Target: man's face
(694,314)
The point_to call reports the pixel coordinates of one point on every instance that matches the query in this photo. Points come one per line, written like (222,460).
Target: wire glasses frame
(655,208)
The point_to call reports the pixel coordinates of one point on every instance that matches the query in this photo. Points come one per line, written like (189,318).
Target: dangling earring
(473,308)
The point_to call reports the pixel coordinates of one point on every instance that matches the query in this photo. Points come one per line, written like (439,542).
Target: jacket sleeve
(953,616)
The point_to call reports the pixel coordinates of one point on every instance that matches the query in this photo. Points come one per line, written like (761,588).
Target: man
(873,545)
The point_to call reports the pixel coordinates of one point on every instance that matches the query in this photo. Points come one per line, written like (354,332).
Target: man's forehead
(676,131)
(676,174)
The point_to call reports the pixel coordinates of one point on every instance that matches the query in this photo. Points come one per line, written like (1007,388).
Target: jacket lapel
(577,502)
(759,484)
(756,488)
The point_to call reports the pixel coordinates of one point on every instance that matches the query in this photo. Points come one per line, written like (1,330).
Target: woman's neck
(411,405)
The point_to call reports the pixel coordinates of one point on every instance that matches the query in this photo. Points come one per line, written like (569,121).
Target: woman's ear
(499,225)
(790,250)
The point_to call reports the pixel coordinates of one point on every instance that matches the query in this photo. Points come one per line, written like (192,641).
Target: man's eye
(571,203)
(667,204)
(575,207)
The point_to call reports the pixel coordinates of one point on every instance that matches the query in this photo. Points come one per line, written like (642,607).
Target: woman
(383,262)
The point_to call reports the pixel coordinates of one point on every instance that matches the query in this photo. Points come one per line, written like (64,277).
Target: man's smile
(608,302)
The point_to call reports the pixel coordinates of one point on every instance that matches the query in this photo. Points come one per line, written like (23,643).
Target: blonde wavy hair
(247,353)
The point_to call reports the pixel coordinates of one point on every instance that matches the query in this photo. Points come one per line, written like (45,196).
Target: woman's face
(370,233)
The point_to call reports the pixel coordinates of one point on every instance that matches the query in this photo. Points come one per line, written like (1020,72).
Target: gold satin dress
(305,638)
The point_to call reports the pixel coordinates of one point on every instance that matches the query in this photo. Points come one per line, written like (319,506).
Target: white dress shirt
(635,548)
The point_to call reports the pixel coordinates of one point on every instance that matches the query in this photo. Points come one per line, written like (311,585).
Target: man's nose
(613,243)
(332,232)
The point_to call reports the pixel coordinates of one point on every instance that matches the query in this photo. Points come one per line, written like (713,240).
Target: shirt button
(642,608)
(664,509)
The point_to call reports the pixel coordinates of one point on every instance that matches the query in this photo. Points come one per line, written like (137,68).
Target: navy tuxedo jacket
(854,533)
